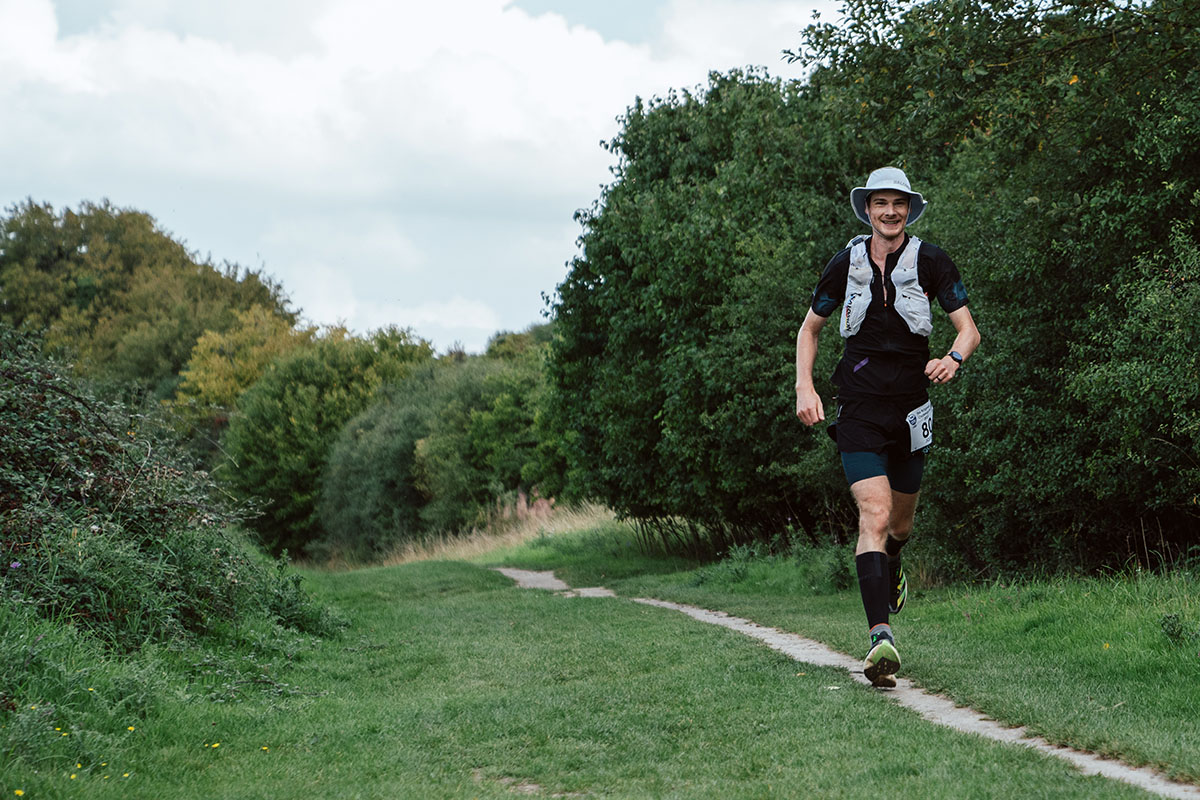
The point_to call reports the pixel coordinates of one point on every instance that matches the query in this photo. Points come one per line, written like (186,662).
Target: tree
(670,371)
(118,294)
(279,440)
(1057,142)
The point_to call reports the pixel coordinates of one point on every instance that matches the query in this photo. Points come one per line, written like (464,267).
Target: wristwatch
(957,356)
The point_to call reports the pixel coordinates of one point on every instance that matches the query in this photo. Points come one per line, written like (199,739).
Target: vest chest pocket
(913,306)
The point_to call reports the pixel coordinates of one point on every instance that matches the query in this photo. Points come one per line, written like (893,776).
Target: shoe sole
(887,663)
(880,673)
(884,682)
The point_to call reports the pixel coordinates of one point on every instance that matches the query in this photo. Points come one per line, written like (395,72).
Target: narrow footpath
(932,707)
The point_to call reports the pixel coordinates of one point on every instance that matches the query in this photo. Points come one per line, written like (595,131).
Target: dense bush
(279,440)
(1056,145)
(673,366)
(436,453)
(104,527)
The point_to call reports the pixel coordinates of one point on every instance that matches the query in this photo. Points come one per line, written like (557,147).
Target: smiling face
(888,212)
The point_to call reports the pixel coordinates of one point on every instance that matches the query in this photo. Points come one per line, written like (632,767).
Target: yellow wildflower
(130,728)
(1074,80)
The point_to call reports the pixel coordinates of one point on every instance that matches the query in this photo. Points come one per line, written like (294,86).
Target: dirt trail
(934,708)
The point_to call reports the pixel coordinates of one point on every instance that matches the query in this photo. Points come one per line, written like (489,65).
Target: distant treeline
(1058,146)
(335,444)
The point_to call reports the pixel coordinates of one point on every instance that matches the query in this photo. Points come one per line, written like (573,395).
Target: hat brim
(859,195)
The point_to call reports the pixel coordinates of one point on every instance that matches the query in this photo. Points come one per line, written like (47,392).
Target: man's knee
(874,500)
(900,519)
(900,529)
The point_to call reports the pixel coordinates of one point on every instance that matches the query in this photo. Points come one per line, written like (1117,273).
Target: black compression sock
(893,546)
(873,585)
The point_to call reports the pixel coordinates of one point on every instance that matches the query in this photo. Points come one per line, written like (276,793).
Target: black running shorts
(872,434)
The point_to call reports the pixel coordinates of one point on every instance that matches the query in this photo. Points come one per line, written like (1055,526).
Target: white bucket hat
(886,178)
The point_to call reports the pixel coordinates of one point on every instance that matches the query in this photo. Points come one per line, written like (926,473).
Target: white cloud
(364,149)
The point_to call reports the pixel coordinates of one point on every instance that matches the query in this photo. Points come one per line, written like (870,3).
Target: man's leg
(900,524)
(873,496)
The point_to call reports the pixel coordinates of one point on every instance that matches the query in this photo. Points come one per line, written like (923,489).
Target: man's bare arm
(809,407)
(942,370)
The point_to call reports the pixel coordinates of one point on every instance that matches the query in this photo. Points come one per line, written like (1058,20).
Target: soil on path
(932,707)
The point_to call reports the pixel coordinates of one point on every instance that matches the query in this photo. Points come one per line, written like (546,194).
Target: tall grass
(507,528)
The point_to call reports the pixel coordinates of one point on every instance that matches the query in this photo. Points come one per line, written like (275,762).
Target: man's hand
(941,370)
(809,407)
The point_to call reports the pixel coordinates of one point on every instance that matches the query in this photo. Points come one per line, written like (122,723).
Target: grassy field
(1107,665)
(452,683)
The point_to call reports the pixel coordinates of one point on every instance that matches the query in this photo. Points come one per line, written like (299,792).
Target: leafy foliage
(670,375)
(436,452)
(222,366)
(279,440)
(1055,144)
(117,294)
(104,527)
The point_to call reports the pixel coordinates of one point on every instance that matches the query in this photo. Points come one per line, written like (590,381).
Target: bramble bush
(104,526)
(121,568)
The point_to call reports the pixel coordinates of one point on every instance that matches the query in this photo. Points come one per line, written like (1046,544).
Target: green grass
(1107,665)
(453,683)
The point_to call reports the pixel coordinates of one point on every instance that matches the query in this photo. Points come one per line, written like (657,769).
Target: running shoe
(882,662)
(899,589)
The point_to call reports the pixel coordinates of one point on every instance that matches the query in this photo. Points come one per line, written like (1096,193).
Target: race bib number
(920,426)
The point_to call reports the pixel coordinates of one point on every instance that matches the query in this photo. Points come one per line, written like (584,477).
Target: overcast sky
(403,162)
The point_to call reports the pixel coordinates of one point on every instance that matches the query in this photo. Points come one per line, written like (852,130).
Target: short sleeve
(830,292)
(944,280)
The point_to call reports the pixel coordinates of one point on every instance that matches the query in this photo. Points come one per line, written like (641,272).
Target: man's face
(888,212)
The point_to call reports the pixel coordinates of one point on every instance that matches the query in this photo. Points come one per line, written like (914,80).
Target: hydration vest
(911,302)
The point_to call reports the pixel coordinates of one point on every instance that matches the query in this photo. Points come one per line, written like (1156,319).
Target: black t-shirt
(885,357)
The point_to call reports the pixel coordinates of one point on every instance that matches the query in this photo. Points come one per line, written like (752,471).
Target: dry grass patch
(509,527)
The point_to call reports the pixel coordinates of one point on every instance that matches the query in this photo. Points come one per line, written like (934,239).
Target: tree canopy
(1055,142)
(117,294)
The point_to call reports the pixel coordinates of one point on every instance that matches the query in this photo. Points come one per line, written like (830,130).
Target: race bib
(920,426)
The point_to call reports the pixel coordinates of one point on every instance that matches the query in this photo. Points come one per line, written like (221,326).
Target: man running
(880,286)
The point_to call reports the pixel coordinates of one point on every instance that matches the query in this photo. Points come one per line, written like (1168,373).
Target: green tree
(1059,142)
(1056,142)
(118,294)
(435,455)
(670,371)
(278,442)
(224,364)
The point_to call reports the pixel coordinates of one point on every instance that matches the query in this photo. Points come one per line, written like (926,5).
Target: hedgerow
(1056,145)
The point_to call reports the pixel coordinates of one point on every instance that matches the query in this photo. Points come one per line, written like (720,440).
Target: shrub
(279,441)
(104,525)
(433,455)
